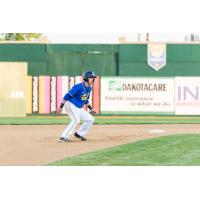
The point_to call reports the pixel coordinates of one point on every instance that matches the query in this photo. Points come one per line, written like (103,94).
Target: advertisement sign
(187,95)
(125,95)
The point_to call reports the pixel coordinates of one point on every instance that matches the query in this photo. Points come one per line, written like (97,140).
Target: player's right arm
(65,98)
(68,96)
(59,110)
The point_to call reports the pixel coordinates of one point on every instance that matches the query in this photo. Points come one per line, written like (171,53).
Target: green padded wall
(22,52)
(182,60)
(172,69)
(33,54)
(183,53)
(132,53)
(73,59)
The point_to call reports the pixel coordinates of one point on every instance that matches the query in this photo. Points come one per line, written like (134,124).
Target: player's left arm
(92,111)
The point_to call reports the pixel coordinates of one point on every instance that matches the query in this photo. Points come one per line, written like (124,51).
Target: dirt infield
(38,144)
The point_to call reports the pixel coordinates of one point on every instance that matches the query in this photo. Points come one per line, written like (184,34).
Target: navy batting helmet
(88,74)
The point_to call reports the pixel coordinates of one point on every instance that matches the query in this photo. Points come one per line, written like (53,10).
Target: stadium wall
(54,66)
(104,59)
(182,60)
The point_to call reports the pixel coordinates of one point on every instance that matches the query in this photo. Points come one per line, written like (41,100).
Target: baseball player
(73,103)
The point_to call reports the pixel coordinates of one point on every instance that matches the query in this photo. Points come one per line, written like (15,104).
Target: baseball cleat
(62,139)
(80,137)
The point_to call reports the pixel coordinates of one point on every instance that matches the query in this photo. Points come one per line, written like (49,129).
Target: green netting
(103,64)
(71,64)
(37,68)
(77,48)
(64,63)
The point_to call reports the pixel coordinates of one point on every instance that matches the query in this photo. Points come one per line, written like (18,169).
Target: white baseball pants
(76,115)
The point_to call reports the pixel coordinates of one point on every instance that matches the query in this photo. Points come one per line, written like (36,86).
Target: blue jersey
(79,95)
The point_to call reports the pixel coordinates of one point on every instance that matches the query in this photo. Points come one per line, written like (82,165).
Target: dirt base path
(38,144)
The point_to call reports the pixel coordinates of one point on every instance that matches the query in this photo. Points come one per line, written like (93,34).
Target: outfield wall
(62,59)
(104,59)
(45,93)
(54,68)
(121,95)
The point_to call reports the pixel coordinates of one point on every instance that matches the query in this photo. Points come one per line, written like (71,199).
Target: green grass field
(105,120)
(176,150)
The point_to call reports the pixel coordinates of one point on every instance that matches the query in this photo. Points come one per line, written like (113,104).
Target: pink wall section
(44,94)
(62,86)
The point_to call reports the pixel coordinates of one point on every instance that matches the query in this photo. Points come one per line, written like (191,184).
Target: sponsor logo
(115,86)
(156,55)
(120,86)
(186,93)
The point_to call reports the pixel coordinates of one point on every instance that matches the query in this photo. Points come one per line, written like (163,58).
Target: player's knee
(76,122)
(92,120)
